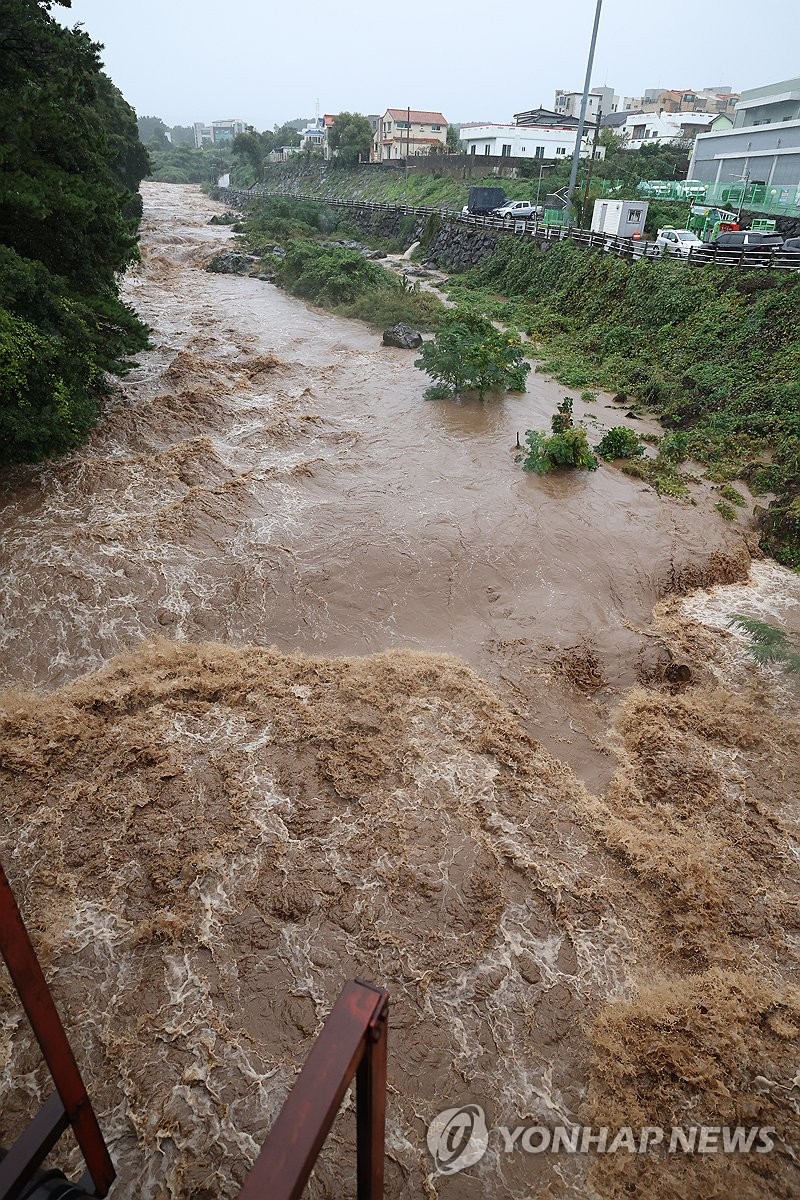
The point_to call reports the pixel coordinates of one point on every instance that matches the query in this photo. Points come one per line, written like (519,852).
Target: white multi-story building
(653,129)
(548,142)
(600,100)
(568,104)
(217,131)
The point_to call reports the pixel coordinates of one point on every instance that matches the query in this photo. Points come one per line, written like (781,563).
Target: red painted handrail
(352,1042)
(69,1104)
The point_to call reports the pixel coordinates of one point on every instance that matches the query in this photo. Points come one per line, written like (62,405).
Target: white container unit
(621,218)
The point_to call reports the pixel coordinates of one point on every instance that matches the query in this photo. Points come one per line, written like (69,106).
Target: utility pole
(745,180)
(576,154)
(408,136)
(587,184)
(539,184)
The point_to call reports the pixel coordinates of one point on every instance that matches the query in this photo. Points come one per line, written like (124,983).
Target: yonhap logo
(458,1138)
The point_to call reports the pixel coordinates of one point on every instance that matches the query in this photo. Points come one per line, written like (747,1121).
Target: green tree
(566,446)
(152,130)
(620,442)
(350,137)
(768,644)
(182,135)
(286,135)
(250,147)
(71,162)
(469,354)
(453,140)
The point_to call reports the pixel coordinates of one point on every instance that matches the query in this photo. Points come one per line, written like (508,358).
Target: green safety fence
(773,199)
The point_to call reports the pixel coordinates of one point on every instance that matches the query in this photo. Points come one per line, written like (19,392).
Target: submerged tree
(566,446)
(469,354)
(72,162)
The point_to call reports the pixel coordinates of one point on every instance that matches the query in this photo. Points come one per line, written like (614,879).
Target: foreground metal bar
(32,1147)
(371,1109)
(353,1039)
(29,981)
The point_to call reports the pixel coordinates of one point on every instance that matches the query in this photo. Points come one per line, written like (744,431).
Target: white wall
(524,141)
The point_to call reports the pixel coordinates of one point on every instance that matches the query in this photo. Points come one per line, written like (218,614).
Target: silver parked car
(677,241)
(518,210)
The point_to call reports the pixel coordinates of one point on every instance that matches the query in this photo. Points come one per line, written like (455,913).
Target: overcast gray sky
(198,60)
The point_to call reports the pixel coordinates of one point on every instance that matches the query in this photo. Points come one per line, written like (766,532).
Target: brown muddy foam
(209,838)
(209,841)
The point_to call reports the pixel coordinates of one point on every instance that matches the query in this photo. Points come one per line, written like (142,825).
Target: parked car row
(682,242)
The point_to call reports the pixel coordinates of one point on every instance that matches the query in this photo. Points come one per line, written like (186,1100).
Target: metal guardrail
(351,1044)
(69,1105)
(551,228)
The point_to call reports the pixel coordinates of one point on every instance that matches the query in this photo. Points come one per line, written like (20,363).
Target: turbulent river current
(305,679)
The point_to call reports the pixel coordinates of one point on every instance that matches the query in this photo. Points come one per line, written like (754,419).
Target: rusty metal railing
(69,1104)
(351,1043)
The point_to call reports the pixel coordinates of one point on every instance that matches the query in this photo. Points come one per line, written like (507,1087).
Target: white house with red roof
(408,132)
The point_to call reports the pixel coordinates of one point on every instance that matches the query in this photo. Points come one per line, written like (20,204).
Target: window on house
(487,149)
(472,149)
(506,151)
(402,124)
(539,152)
(435,128)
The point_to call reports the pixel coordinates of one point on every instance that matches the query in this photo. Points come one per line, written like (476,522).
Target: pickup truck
(518,210)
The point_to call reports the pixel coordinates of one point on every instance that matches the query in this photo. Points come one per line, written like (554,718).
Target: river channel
(307,679)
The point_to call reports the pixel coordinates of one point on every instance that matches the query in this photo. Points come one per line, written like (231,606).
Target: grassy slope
(712,351)
(388,186)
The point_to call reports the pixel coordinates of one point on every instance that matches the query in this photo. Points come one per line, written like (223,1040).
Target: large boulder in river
(231,263)
(403,336)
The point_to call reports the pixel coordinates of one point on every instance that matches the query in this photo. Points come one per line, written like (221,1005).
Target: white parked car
(518,210)
(677,241)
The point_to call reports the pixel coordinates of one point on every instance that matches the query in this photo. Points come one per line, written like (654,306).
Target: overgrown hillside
(714,352)
(385,185)
(69,210)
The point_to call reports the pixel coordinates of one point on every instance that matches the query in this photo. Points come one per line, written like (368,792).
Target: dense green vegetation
(714,352)
(71,164)
(277,220)
(350,138)
(346,283)
(469,354)
(185,164)
(565,447)
(333,276)
(620,442)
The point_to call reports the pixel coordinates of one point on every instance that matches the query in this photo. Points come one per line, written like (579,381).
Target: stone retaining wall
(452,246)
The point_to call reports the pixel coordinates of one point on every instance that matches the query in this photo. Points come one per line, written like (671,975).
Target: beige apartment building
(407,133)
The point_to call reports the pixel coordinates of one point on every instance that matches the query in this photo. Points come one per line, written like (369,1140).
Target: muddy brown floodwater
(305,679)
